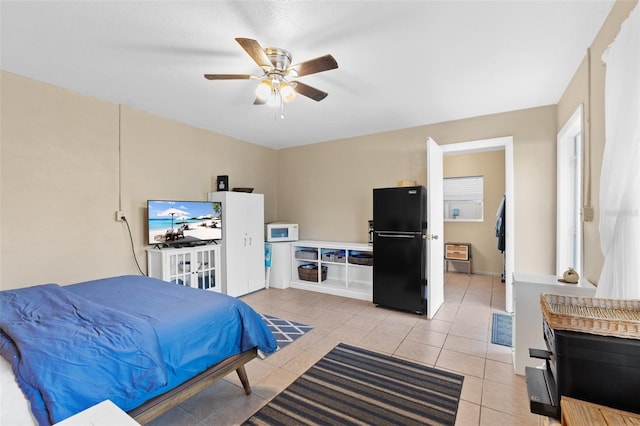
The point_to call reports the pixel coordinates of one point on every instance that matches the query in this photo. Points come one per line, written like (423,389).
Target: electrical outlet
(120,216)
(587,213)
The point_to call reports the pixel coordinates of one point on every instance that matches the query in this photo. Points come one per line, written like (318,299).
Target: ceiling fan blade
(259,101)
(308,91)
(256,52)
(229,76)
(312,66)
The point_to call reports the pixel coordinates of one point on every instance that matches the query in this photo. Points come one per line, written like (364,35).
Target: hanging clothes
(500,224)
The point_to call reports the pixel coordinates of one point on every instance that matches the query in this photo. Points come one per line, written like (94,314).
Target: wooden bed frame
(168,400)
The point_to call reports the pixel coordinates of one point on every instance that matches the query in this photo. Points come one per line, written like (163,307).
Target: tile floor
(457,339)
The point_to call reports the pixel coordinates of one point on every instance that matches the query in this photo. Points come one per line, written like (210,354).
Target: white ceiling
(401,63)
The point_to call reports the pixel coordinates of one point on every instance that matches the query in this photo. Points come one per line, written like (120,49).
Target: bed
(143,343)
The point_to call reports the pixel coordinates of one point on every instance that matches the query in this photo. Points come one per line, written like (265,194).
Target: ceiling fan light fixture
(264,90)
(287,92)
(274,90)
(274,100)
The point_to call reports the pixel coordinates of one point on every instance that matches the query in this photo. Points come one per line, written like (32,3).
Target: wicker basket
(607,317)
(361,259)
(307,254)
(310,273)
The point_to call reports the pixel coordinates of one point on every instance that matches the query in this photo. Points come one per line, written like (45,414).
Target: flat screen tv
(183,223)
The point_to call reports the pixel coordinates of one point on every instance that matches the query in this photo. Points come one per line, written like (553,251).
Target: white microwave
(274,232)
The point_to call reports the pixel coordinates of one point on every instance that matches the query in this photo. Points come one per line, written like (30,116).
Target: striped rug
(353,386)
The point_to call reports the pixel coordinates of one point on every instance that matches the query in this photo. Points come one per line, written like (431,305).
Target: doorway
(505,143)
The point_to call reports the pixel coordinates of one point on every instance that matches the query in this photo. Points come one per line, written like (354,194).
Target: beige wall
(326,187)
(338,206)
(486,259)
(163,159)
(65,172)
(579,91)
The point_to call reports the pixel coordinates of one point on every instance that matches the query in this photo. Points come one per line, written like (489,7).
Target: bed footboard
(163,403)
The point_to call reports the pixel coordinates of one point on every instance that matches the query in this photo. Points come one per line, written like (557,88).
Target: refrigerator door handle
(380,234)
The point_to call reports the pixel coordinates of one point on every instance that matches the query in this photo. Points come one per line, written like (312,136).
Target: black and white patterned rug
(283,330)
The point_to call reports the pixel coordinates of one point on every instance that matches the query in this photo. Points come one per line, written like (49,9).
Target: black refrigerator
(399,248)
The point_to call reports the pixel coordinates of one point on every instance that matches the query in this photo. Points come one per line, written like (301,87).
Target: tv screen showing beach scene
(183,222)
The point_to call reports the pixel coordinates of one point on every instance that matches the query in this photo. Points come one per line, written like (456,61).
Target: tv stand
(196,266)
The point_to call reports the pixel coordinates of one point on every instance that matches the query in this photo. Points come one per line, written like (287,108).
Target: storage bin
(361,259)
(593,354)
(606,317)
(307,254)
(597,368)
(310,273)
(333,256)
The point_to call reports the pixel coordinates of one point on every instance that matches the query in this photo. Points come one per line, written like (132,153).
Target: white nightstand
(105,413)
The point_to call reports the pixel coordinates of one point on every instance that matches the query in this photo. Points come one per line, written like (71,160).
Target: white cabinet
(280,273)
(242,241)
(341,269)
(197,267)
(527,318)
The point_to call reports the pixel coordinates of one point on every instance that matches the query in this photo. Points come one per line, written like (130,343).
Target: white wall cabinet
(348,266)
(243,269)
(197,267)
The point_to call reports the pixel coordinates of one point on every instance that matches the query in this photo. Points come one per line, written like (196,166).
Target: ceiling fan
(277,85)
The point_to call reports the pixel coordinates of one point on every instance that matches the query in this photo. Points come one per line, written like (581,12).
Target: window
(569,223)
(463,199)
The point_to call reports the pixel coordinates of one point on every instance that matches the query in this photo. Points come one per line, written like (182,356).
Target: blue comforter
(127,339)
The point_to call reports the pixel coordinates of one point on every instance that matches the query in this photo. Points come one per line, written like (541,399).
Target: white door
(435,229)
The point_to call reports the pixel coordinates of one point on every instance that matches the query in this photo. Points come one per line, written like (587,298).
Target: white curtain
(620,180)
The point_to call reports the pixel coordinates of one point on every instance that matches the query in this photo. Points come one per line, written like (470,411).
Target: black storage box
(604,370)
(593,354)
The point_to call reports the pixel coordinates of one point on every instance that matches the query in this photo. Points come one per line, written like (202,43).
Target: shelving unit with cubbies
(341,269)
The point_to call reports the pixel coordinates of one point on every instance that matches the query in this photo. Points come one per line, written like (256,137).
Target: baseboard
(461,271)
